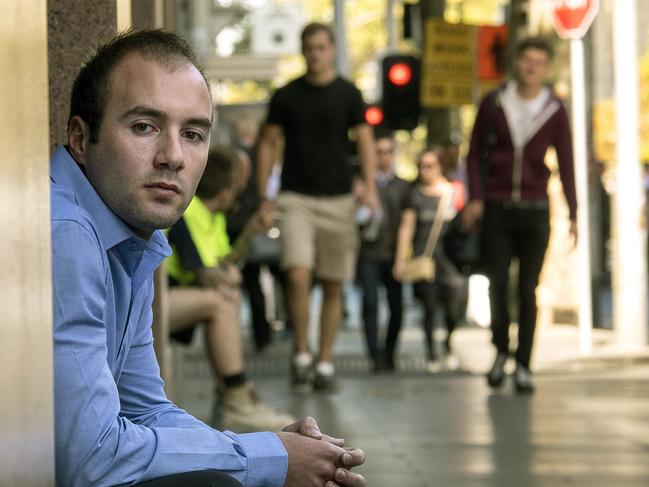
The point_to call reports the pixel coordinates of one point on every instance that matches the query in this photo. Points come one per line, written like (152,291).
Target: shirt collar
(111,229)
(383,178)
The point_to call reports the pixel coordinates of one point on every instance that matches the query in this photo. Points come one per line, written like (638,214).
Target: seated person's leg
(218,310)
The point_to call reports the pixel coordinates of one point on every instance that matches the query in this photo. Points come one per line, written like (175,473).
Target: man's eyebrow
(144,110)
(200,121)
(160,115)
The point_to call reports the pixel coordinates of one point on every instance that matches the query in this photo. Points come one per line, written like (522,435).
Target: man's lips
(164,186)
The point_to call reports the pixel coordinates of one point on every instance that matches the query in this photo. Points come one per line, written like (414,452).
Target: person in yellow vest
(205,290)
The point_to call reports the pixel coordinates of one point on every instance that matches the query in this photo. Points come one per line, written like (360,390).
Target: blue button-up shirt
(114,424)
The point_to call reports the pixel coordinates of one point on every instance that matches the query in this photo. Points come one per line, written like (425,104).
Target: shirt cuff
(267,459)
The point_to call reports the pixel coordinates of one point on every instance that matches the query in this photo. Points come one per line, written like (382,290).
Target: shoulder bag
(422,267)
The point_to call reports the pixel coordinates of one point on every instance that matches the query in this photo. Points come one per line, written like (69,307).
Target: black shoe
(496,375)
(523,380)
(301,378)
(262,342)
(325,383)
(383,363)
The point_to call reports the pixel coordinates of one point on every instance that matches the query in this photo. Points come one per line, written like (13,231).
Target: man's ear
(78,139)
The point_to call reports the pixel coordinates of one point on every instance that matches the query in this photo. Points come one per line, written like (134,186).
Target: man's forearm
(266,153)
(367,153)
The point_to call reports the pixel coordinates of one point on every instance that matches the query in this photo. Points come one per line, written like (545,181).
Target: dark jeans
(201,478)
(521,233)
(449,290)
(371,274)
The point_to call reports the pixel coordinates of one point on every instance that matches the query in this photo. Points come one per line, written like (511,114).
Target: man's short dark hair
(314,28)
(539,43)
(220,173)
(90,89)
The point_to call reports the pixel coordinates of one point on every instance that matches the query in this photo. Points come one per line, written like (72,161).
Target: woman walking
(431,201)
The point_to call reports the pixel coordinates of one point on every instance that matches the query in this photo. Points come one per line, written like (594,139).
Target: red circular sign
(400,74)
(572,18)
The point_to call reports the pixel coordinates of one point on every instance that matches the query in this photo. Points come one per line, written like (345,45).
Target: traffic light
(400,83)
(374,115)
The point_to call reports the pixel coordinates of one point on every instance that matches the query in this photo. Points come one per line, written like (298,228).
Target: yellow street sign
(449,64)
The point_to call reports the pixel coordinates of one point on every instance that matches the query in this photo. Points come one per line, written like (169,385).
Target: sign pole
(629,234)
(584,293)
(572,19)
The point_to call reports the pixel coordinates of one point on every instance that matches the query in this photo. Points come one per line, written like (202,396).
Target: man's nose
(170,152)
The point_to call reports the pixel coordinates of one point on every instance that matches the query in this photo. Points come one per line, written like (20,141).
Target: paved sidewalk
(588,424)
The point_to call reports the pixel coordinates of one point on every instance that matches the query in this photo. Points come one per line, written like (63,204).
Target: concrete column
(26,408)
(73,27)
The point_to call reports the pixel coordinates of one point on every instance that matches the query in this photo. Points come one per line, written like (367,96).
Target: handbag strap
(436,229)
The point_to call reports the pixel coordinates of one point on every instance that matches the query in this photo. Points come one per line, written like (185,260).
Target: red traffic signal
(400,74)
(400,91)
(374,115)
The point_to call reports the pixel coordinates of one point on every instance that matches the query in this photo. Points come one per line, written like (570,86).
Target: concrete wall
(35,38)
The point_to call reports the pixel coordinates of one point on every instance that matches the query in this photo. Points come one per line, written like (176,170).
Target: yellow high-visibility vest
(209,235)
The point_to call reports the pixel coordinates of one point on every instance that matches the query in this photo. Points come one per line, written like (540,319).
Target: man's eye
(191,135)
(142,128)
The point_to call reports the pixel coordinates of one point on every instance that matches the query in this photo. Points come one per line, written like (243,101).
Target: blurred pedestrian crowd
(311,196)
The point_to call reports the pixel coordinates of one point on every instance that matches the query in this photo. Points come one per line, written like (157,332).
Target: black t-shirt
(316,122)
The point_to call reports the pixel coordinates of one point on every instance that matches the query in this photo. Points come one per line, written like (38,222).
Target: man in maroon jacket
(508,180)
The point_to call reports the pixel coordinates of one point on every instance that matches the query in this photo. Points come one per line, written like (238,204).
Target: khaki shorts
(318,232)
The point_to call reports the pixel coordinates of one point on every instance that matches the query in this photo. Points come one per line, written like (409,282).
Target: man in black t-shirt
(315,114)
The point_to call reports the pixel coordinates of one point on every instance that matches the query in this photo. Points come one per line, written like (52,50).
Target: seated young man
(138,140)
(205,290)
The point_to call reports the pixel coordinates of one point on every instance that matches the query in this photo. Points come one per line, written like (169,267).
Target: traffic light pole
(438,119)
(341,38)
(391,26)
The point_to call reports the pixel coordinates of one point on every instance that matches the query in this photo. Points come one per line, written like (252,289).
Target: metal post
(391,25)
(578,100)
(629,257)
(438,119)
(341,39)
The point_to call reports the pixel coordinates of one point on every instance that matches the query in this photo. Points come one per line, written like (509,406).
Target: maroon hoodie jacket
(520,173)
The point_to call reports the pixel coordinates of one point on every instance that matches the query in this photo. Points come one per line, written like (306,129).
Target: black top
(394,197)
(184,246)
(316,122)
(426,208)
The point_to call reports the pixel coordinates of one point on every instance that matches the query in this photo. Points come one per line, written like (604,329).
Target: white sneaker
(434,366)
(244,412)
(451,362)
